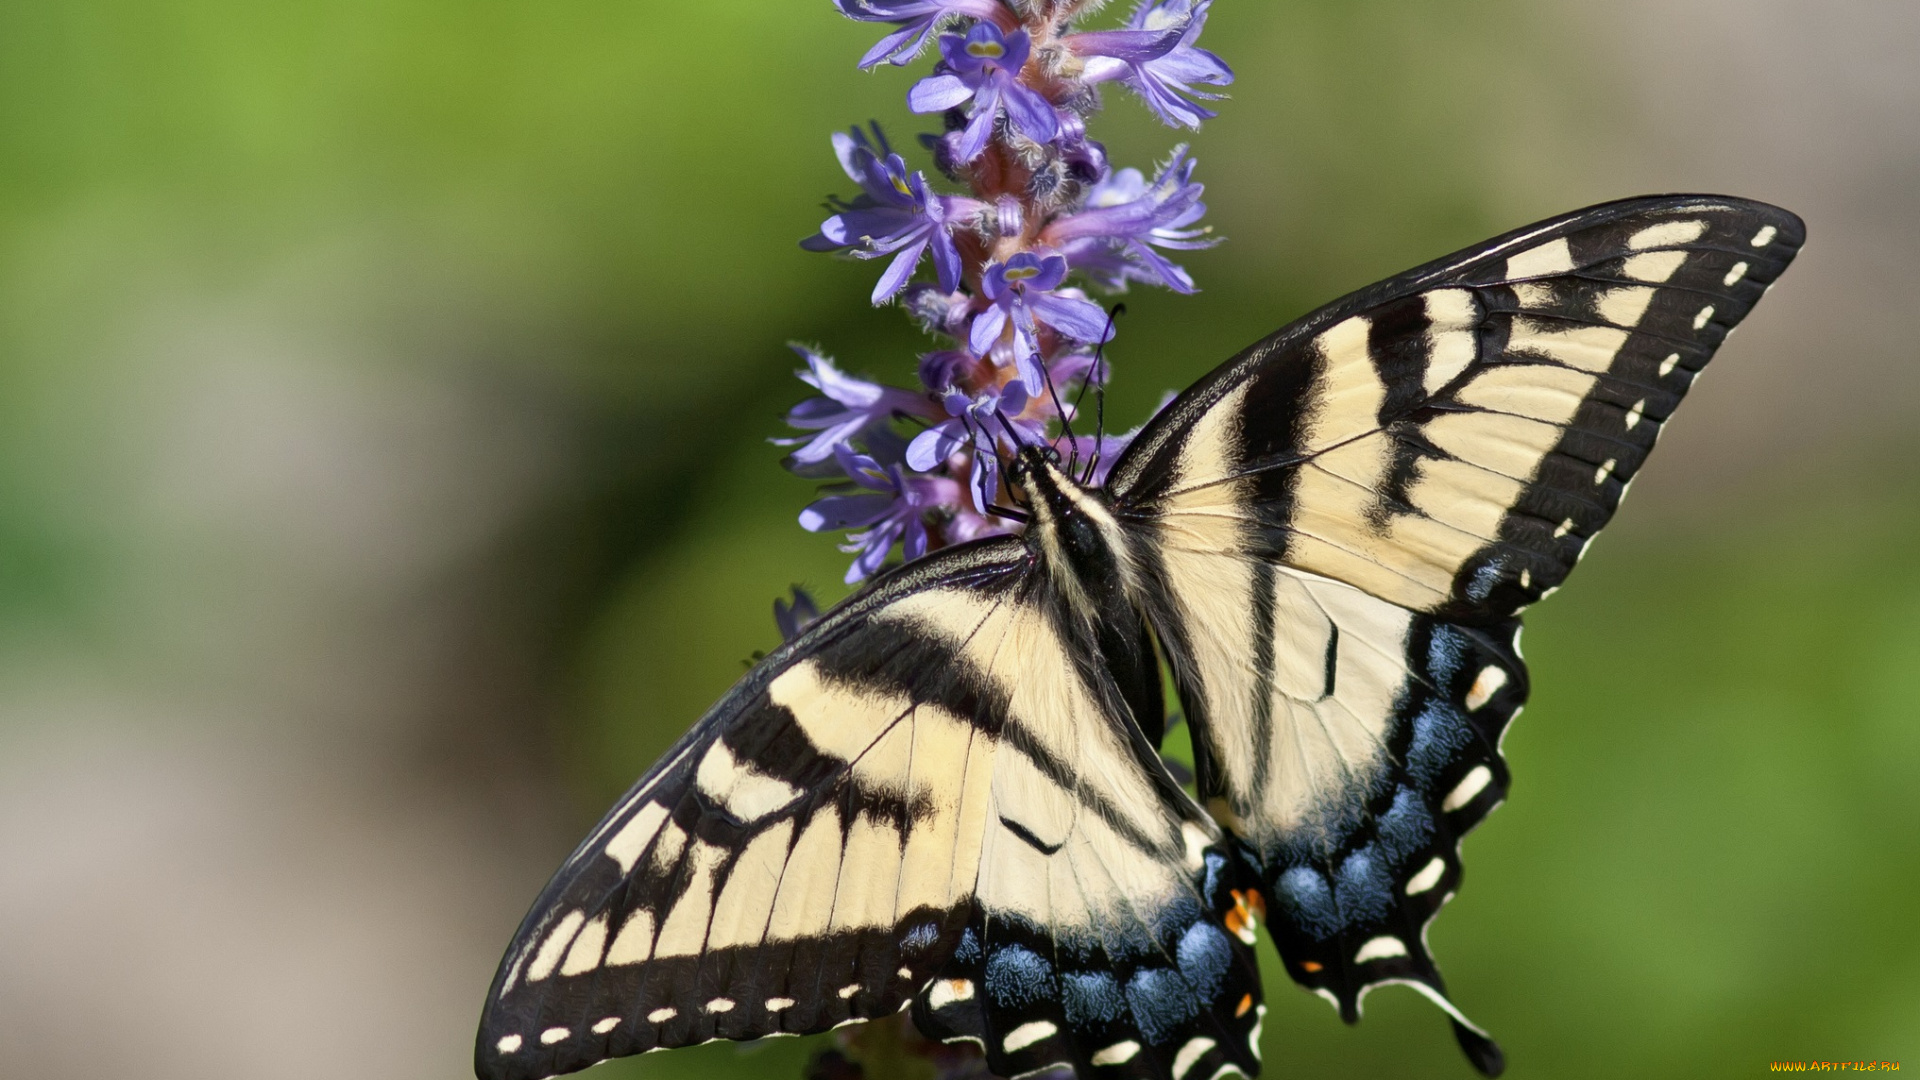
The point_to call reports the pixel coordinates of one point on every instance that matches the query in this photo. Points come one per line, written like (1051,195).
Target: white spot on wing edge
(1565,528)
(662,1015)
(553,1035)
(1428,877)
(1485,685)
(508,1044)
(1470,785)
(1764,236)
(1638,411)
(1026,1035)
(779,1004)
(1734,275)
(947,991)
(606,1025)
(1190,1055)
(1253,1037)
(1381,948)
(1605,470)
(1667,365)
(1118,1054)
(719,1005)
(1700,320)
(849,990)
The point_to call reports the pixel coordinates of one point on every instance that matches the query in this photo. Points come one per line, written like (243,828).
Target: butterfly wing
(928,796)
(1348,517)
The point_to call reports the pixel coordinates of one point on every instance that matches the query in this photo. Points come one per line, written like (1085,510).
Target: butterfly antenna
(1073,444)
(1099,393)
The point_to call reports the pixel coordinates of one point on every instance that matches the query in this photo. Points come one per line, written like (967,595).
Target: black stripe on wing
(803,857)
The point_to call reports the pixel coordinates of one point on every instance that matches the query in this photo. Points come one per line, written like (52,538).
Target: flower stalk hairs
(1022,211)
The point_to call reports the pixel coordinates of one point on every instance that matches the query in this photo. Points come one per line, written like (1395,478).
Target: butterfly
(946,794)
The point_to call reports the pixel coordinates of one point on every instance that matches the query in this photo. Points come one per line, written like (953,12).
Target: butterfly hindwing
(1344,522)
(1099,937)
(929,795)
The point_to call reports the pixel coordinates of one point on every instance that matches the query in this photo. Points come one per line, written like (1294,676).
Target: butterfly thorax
(1074,534)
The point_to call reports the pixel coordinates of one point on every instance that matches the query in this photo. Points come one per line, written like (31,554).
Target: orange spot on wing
(1246,1002)
(1310,966)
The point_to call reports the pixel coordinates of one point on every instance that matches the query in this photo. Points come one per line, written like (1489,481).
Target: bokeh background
(383,395)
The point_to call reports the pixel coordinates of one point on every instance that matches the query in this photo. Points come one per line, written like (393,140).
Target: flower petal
(1030,112)
(936,444)
(898,272)
(844,511)
(1133,46)
(938,93)
(973,139)
(987,328)
(1081,320)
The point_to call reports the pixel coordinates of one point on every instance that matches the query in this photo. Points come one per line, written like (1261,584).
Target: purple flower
(938,369)
(894,215)
(849,409)
(1157,57)
(985,66)
(979,423)
(1109,239)
(892,509)
(1022,293)
(916,19)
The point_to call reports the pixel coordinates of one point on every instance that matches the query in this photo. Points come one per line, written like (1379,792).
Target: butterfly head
(1072,528)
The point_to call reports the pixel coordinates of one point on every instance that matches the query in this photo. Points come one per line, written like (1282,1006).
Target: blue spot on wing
(1447,654)
(1091,998)
(920,938)
(1438,733)
(1364,886)
(968,951)
(1018,977)
(1161,1002)
(1210,887)
(1484,579)
(1204,954)
(1406,826)
(1309,900)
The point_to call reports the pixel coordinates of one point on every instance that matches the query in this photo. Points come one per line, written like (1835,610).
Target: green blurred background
(383,395)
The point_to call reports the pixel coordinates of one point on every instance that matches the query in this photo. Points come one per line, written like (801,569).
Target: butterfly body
(947,795)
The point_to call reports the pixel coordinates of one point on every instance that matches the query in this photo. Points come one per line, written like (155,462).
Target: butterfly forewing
(805,856)
(1344,521)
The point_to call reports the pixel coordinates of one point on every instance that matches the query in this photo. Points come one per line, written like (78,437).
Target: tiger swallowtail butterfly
(946,794)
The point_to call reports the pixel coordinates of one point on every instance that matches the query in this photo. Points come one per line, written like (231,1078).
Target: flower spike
(917,469)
